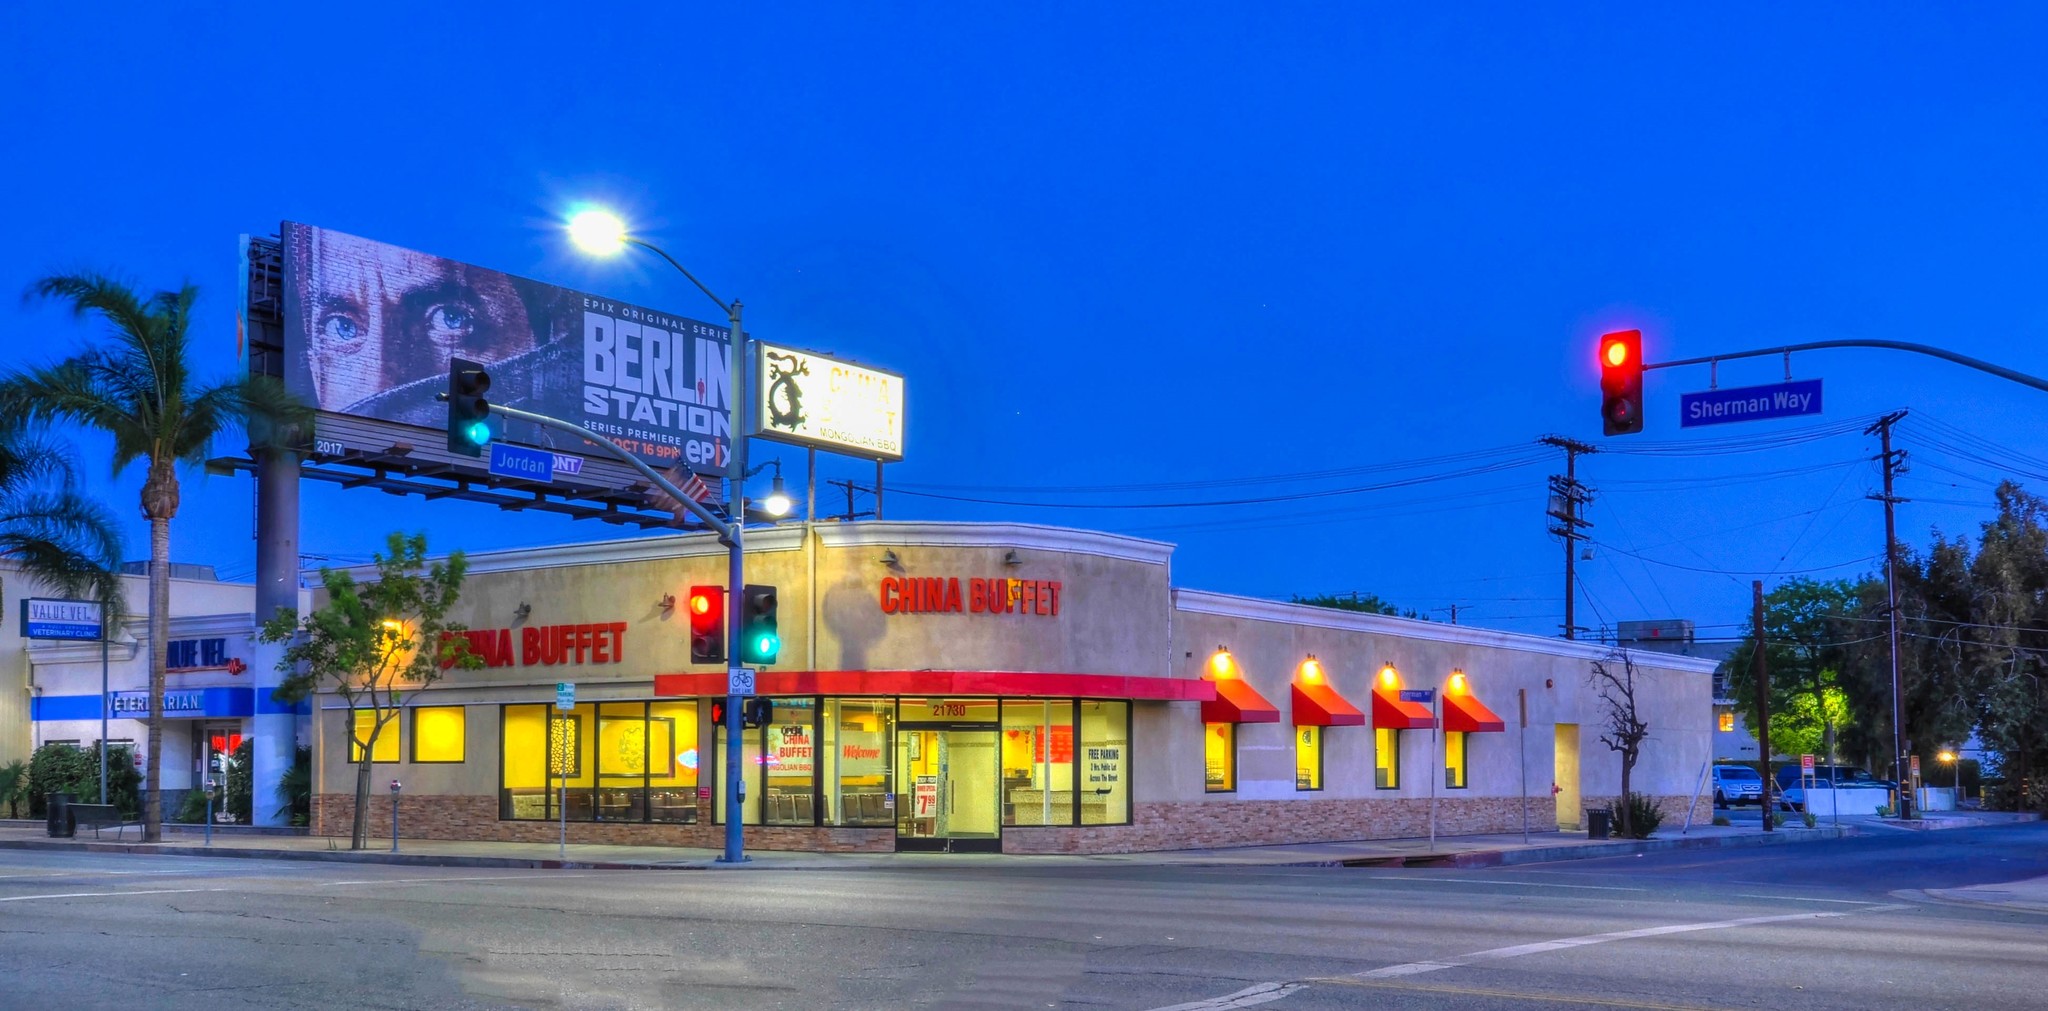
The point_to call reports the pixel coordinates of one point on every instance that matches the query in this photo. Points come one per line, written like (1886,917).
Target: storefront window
(856,754)
(1105,763)
(672,750)
(1308,758)
(622,751)
(1454,759)
(1386,748)
(791,762)
(750,766)
(1038,762)
(614,761)
(437,733)
(361,723)
(1221,754)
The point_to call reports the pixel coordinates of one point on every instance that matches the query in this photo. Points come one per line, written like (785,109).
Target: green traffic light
(478,433)
(767,645)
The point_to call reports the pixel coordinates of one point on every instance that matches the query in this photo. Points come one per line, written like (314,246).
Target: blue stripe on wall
(64,707)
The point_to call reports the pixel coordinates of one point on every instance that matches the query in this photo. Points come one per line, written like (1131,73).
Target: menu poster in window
(924,798)
(1105,767)
(1062,745)
(792,755)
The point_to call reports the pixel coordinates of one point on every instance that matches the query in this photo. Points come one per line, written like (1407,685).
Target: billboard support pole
(273,728)
(103,708)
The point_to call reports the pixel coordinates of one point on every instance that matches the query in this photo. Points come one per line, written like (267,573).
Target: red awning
(1465,713)
(1319,705)
(934,683)
(1389,712)
(1237,702)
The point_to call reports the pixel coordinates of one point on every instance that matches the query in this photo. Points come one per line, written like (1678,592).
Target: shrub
(1643,815)
(1809,818)
(1777,819)
(1722,819)
(192,810)
(14,786)
(68,768)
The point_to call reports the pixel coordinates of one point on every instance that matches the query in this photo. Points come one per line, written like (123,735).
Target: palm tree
(51,532)
(138,387)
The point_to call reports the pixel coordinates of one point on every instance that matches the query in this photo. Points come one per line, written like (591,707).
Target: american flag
(687,482)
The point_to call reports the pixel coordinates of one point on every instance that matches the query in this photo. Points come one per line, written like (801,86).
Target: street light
(602,233)
(778,503)
(1950,757)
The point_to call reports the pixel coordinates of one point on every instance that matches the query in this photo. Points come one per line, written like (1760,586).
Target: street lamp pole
(599,232)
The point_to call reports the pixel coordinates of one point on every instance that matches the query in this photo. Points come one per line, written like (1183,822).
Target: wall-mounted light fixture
(1311,670)
(1010,558)
(667,602)
(520,613)
(1456,685)
(1222,664)
(889,559)
(1389,678)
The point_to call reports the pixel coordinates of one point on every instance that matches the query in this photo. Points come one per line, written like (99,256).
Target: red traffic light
(707,624)
(1621,382)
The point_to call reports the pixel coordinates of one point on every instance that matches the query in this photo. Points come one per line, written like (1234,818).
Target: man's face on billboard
(379,317)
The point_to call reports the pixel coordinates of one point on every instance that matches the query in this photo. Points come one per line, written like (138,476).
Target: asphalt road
(1806,926)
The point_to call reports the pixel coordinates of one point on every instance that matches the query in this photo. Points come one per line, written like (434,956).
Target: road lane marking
(1539,998)
(95,895)
(1802,898)
(1539,947)
(1251,996)
(1504,881)
(436,881)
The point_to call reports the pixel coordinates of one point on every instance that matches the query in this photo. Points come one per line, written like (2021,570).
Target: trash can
(58,807)
(1597,823)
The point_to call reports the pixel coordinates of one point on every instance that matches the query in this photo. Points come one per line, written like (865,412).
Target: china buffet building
(991,687)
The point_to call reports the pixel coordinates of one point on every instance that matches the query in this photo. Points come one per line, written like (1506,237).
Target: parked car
(1737,784)
(1841,775)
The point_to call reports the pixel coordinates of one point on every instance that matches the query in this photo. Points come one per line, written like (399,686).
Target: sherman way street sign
(1749,403)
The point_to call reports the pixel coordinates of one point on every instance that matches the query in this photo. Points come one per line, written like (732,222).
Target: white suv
(1737,784)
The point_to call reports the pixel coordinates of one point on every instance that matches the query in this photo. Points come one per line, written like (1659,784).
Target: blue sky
(1189,245)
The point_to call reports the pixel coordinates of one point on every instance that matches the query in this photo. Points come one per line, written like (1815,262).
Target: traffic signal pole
(1923,349)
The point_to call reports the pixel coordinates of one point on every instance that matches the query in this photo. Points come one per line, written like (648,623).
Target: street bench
(99,816)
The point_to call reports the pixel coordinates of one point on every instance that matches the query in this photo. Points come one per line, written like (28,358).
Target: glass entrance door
(946,790)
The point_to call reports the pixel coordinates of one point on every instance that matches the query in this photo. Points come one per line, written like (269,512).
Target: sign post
(565,701)
(78,620)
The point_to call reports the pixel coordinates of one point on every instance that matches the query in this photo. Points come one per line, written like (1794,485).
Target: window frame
(355,750)
(1317,784)
(1392,752)
(1230,755)
(462,749)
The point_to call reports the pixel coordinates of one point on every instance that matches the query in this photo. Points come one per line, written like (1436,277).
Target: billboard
(369,329)
(811,400)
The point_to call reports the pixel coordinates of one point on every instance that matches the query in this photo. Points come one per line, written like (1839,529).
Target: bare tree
(1622,726)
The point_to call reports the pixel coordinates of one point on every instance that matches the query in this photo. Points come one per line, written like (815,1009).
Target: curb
(1467,858)
(1595,851)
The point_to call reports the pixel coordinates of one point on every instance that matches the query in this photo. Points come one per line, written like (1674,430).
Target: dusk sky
(1294,287)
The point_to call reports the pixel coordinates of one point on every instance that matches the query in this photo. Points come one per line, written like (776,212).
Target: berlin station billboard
(369,329)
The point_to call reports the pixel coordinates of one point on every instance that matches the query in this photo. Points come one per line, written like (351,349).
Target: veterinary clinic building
(992,687)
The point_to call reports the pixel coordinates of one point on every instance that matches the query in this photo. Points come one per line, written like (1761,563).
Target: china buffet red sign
(600,642)
(928,594)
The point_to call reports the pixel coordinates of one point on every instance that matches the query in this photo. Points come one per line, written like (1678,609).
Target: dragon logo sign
(811,400)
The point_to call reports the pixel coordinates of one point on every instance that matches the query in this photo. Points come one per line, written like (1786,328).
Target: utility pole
(1763,701)
(1567,498)
(849,487)
(1454,609)
(1893,465)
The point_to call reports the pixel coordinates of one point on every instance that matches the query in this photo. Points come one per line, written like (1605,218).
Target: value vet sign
(44,618)
(1749,403)
(812,400)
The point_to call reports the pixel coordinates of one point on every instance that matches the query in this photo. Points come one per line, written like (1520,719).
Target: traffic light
(759,641)
(469,429)
(707,624)
(753,712)
(1621,382)
(718,712)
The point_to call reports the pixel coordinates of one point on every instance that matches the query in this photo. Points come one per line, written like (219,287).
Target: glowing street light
(778,503)
(597,232)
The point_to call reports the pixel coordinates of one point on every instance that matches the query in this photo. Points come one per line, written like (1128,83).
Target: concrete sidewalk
(2030,895)
(1458,851)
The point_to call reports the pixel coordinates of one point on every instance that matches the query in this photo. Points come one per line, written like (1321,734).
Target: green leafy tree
(1364,603)
(2011,651)
(375,645)
(1805,623)
(140,388)
(13,786)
